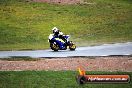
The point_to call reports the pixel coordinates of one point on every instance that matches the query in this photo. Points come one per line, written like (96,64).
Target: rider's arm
(60,33)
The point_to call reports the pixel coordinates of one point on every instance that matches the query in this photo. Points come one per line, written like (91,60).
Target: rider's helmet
(55,30)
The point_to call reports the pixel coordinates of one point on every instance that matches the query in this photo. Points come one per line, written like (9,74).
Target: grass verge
(51,79)
(26,25)
(16,58)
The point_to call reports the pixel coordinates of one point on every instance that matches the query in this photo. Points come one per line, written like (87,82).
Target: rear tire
(54,47)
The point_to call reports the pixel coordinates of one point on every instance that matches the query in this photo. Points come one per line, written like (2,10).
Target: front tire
(72,46)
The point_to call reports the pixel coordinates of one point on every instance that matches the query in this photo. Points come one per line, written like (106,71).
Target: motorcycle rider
(58,34)
(59,41)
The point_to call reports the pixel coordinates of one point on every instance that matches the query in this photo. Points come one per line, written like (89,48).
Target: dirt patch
(60,1)
(90,64)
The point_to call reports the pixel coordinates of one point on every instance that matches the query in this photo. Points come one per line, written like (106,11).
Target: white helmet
(55,30)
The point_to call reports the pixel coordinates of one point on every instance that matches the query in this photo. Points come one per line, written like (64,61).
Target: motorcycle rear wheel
(54,47)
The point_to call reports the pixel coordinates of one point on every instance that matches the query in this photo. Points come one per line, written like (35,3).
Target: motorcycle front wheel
(72,46)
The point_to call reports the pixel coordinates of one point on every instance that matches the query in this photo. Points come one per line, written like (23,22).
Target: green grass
(51,79)
(26,25)
(17,58)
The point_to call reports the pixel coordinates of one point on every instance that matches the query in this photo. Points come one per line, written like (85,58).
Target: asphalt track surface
(102,50)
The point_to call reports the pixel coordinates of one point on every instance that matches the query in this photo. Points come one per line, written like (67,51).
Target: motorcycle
(61,44)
